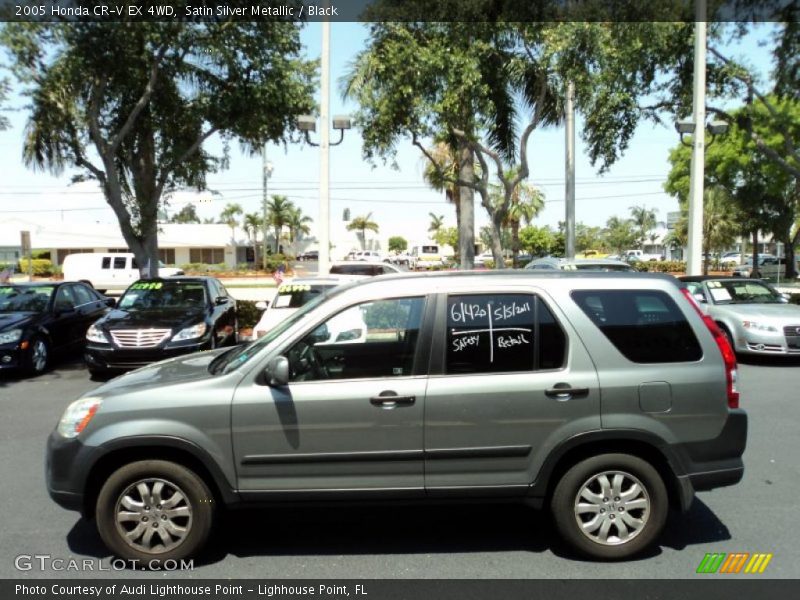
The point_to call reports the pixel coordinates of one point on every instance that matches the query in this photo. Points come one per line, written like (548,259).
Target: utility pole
(569,191)
(697,170)
(266,172)
(324,153)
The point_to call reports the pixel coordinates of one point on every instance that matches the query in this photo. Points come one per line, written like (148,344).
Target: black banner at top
(114,11)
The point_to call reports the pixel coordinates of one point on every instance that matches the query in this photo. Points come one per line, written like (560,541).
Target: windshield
(743,292)
(235,358)
(295,295)
(601,267)
(21,299)
(154,295)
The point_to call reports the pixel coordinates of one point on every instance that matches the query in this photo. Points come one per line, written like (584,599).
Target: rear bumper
(717,462)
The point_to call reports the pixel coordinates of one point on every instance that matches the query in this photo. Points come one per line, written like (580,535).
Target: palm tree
(278,214)
(445,157)
(645,220)
(527,201)
(252,225)
(298,224)
(437,222)
(228,216)
(362,224)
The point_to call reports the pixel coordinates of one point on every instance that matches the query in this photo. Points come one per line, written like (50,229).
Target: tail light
(728,355)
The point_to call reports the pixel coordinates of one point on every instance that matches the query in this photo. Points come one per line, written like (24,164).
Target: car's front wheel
(610,506)
(39,357)
(153,511)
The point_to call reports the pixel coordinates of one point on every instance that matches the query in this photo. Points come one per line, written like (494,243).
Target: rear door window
(502,333)
(119,262)
(646,326)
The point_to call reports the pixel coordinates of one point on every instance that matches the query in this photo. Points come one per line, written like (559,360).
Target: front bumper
(753,342)
(104,357)
(67,462)
(12,356)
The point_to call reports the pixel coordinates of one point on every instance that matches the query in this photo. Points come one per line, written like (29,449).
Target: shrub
(661,266)
(276,260)
(41,266)
(247,314)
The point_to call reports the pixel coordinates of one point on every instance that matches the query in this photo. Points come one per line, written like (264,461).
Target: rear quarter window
(646,326)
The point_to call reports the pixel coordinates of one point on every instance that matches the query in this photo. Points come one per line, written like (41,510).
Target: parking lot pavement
(484,541)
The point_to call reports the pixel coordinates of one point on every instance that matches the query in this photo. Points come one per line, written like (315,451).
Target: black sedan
(162,318)
(40,320)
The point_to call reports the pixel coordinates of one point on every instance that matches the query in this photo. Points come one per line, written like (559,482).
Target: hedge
(41,266)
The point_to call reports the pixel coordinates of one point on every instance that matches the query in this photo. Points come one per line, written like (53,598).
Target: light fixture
(308,123)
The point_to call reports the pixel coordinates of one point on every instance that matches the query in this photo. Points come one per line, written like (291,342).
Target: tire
(39,356)
(581,486)
(181,535)
(728,336)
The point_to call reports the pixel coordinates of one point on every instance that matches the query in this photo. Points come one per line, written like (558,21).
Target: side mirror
(262,305)
(220,300)
(110,302)
(278,371)
(700,298)
(786,296)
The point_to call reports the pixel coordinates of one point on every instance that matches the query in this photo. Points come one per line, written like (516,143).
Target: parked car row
(154,319)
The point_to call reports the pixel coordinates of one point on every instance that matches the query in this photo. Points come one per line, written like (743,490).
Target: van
(472,386)
(425,257)
(107,270)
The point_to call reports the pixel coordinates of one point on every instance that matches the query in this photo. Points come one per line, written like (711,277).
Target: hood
(134,319)
(784,312)
(182,369)
(14,320)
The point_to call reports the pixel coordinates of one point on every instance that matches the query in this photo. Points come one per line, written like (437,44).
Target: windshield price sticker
(290,288)
(147,285)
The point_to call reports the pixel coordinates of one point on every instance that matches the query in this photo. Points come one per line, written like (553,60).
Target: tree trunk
(466,203)
(754,272)
(514,242)
(496,224)
(791,261)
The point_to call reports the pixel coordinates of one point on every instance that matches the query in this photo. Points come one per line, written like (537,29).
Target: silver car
(550,263)
(752,314)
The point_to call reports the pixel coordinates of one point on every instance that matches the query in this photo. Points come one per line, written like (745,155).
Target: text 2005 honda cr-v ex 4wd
(606,398)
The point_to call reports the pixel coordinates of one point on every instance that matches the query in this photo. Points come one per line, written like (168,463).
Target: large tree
(361,225)
(279,214)
(484,87)
(133,104)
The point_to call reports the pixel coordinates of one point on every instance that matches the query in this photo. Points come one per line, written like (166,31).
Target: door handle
(389,399)
(563,392)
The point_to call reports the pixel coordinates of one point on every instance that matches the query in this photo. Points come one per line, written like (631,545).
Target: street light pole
(569,224)
(266,172)
(324,153)
(697,169)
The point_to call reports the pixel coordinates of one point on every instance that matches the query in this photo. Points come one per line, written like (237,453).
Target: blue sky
(398,199)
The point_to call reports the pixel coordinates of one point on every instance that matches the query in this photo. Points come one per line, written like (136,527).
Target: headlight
(95,334)
(190,333)
(754,326)
(77,416)
(10,336)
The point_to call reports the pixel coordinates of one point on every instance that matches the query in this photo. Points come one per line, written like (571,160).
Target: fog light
(6,358)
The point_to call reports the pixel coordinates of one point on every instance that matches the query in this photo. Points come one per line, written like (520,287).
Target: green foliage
(537,241)
(247,315)
(41,266)
(361,225)
(40,254)
(387,314)
(398,244)
(661,266)
(447,236)
(131,105)
(620,234)
(188,214)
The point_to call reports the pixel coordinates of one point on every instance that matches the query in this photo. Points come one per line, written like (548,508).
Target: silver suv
(464,386)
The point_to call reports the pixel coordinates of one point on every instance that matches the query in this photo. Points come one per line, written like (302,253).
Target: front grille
(139,338)
(792,330)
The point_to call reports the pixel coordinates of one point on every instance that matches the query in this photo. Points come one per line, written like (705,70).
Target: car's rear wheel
(39,357)
(610,506)
(152,511)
